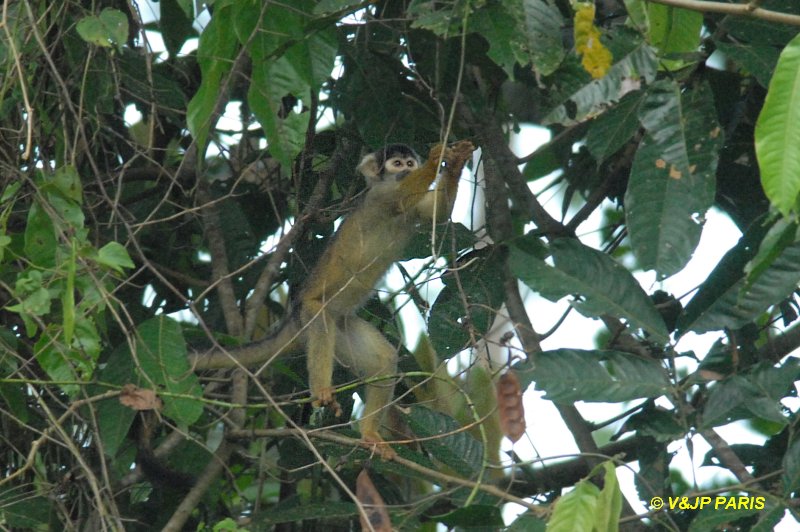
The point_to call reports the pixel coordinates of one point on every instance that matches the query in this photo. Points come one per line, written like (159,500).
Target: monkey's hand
(324,397)
(444,167)
(454,155)
(436,152)
(457,155)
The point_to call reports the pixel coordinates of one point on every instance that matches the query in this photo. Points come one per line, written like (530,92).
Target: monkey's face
(399,165)
(391,164)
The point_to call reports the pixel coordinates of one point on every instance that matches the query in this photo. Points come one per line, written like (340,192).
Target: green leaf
(791,468)
(25,511)
(769,518)
(475,515)
(760,61)
(637,13)
(114,421)
(67,182)
(115,256)
(162,357)
(727,401)
(662,425)
(719,307)
(756,394)
(451,326)
(443,19)
(542,29)
(304,65)
(175,25)
(313,58)
(159,362)
(712,517)
(68,295)
(544,162)
(614,128)
(447,441)
(575,510)
(674,31)
(654,472)
(498,26)
(673,176)
(4,243)
(527,522)
(285,136)
(700,314)
(777,135)
(60,362)
(40,238)
(606,286)
(609,504)
(108,29)
(779,237)
(9,192)
(773,382)
(36,303)
(216,52)
(568,375)
(759,31)
(14,397)
(585,97)
(68,214)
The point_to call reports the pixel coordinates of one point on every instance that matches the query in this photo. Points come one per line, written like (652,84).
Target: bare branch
(749,9)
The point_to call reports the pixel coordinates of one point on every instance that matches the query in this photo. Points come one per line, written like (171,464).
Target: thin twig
(409,464)
(750,9)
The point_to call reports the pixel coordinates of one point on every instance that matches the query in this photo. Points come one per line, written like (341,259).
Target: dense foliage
(168,179)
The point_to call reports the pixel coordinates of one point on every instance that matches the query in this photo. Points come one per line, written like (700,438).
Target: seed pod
(509,405)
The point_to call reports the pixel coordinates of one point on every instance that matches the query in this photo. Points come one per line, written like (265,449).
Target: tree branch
(218,463)
(493,142)
(727,457)
(219,261)
(441,478)
(750,9)
(781,345)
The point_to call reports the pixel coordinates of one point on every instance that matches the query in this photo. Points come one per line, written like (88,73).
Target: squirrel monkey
(323,321)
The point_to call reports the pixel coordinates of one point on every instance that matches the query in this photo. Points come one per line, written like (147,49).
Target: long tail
(283,341)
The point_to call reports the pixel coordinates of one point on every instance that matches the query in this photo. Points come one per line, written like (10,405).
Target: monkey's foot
(324,397)
(376,443)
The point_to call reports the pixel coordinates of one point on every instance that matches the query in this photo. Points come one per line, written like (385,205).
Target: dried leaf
(707,374)
(373,504)
(509,405)
(139,398)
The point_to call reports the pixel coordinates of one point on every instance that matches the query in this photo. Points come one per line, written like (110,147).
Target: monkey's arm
(438,203)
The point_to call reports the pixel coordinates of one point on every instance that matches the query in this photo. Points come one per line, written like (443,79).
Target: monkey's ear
(369,166)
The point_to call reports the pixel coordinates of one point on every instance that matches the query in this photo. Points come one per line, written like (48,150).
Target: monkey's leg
(365,351)
(321,335)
